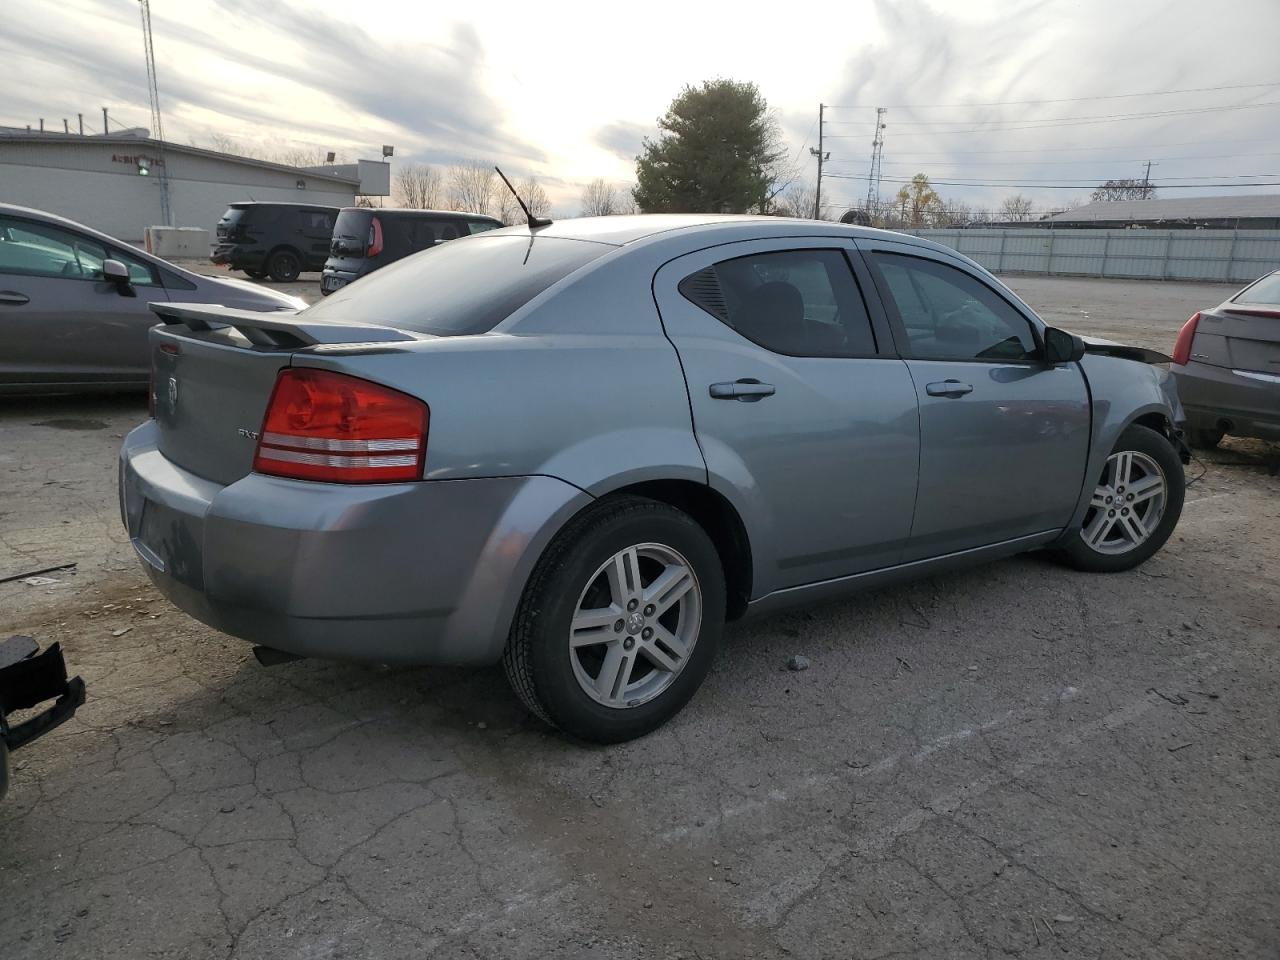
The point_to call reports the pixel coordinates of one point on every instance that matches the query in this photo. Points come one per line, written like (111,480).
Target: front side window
(948,314)
(39,250)
(802,303)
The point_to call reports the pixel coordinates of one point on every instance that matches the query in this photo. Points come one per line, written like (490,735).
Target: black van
(276,240)
(366,238)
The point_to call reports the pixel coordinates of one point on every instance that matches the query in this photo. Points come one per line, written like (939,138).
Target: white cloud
(565,91)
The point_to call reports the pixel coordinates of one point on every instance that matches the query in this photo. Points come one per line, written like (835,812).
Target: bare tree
(798,200)
(420,186)
(599,199)
(627,199)
(1016,209)
(535,197)
(955,213)
(472,187)
(1124,189)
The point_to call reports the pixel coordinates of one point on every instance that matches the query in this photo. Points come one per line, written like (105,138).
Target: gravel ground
(1015,760)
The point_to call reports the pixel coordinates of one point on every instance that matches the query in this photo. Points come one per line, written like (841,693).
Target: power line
(1096,162)
(1012,103)
(1059,185)
(1099,118)
(1107,146)
(996,126)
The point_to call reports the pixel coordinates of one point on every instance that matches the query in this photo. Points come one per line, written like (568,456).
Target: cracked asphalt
(1016,760)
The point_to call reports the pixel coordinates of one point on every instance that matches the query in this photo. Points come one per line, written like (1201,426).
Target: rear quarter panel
(580,384)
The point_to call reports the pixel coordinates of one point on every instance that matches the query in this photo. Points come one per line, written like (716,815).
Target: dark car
(276,240)
(365,239)
(1227,361)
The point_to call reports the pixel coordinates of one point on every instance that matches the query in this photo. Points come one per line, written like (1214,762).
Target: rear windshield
(351,233)
(459,288)
(1266,290)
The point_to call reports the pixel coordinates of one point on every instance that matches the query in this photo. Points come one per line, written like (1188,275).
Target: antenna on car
(533,221)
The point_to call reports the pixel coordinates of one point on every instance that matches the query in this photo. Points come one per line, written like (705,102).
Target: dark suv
(365,239)
(276,240)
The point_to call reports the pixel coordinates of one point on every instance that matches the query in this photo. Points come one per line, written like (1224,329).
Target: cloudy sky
(566,91)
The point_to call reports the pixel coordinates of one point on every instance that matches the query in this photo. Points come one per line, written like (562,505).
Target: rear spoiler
(277,329)
(1108,348)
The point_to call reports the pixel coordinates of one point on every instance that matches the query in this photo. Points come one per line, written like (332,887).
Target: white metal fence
(1224,255)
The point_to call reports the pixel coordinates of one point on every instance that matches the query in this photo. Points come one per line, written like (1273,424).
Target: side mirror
(113,271)
(1061,347)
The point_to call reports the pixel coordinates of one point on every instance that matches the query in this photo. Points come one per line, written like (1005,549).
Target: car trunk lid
(1239,337)
(213,370)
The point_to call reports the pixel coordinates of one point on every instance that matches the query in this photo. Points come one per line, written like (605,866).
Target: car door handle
(748,390)
(948,388)
(14,297)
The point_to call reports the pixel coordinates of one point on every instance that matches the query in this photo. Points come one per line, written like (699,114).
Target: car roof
(242,204)
(634,228)
(398,212)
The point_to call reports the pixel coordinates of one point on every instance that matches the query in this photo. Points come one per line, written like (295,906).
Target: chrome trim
(342,460)
(1252,375)
(359,446)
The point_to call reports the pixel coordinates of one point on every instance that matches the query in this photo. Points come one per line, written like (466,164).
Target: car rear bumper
(1246,403)
(427,572)
(237,256)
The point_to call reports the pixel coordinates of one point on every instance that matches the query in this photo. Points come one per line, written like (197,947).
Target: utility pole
(1146,182)
(157,128)
(873,180)
(817,194)
(106,129)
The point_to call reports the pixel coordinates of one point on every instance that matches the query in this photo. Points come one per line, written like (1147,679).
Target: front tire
(620,621)
(1134,507)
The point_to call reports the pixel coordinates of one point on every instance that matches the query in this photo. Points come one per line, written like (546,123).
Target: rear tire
(1134,508)
(284,266)
(632,562)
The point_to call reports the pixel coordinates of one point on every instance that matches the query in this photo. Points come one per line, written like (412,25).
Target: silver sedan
(73,304)
(580,448)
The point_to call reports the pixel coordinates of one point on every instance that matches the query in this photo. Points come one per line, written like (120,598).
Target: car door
(806,419)
(60,320)
(1003,437)
(315,229)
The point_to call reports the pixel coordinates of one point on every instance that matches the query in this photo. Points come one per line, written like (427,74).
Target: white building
(113,183)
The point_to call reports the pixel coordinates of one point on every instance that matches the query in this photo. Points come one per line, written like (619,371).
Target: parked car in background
(276,240)
(579,448)
(1227,363)
(73,304)
(365,239)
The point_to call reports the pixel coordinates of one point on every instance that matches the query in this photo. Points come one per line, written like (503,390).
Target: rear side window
(481,226)
(461,288)
(802,303)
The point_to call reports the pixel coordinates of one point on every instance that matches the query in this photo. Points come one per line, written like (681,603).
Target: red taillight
(329,426)
(1182,346)
(375,238)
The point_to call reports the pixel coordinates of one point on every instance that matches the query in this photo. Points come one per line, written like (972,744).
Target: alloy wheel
(1127,504)
(635,625)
